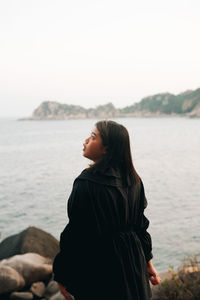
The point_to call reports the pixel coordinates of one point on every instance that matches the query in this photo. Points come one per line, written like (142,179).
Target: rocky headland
(186,104)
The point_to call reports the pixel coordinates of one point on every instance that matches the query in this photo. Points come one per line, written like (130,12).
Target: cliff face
(55,111)
(185,104)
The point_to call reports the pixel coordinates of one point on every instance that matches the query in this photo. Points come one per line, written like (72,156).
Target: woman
(105,250)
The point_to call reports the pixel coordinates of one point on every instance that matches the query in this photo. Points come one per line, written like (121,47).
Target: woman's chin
(84,154)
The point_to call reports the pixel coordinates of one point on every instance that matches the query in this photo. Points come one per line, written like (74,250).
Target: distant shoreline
(145,116)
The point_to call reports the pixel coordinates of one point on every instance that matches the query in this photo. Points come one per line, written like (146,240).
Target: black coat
(105,246)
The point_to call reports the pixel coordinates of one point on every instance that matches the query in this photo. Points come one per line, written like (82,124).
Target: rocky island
(185,104)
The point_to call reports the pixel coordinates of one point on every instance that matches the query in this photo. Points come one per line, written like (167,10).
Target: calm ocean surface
(39,161)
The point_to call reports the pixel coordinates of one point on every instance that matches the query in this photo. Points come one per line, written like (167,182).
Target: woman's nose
(87,140)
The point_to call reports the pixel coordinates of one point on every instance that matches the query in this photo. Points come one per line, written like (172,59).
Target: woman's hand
(153,275)
(64,291)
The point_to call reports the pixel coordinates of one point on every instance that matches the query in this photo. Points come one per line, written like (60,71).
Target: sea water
(39,161)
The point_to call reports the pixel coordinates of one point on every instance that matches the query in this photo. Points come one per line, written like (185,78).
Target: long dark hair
(115,138)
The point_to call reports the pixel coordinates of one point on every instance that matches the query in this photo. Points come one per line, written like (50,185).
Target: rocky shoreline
(26,266)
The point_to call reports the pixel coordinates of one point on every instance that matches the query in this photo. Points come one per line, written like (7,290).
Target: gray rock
(10,279)
(51,289)
(32,240)
(22,270)
(21,296)
(31,266)
(38,289)
(57,296)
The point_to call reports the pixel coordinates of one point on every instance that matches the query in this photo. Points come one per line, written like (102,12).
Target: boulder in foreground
(31,239)
(22,270)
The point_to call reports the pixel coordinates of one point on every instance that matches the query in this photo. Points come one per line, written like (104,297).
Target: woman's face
(93,148)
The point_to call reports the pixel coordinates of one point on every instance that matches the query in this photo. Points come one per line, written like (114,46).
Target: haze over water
(41,159)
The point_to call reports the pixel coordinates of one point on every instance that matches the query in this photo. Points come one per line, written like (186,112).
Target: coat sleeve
(144,236)
(68,262)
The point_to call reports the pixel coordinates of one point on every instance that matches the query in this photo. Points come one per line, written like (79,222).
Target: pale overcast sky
(92,52)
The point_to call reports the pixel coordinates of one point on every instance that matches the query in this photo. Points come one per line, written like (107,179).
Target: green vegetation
(184,285)
(167,103)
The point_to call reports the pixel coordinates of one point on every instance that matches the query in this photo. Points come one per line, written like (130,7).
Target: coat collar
(110,177)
